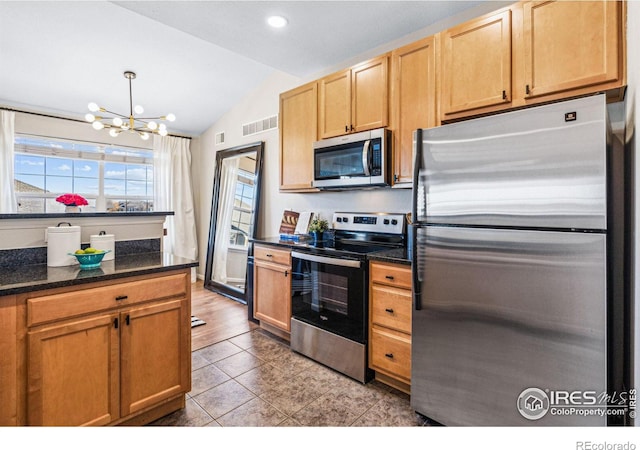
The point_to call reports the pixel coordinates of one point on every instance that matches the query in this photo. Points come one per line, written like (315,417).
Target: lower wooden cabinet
(127,359)
(390,307)
(272,288)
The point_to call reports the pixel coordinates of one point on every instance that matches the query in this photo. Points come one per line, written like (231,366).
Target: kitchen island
(105,346)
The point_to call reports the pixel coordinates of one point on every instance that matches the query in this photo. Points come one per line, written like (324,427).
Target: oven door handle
(326,260)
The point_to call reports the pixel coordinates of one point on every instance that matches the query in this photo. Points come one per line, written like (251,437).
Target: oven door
(330,293)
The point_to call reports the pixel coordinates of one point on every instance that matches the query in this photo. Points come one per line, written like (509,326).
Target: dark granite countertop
(395,255)
(28,278)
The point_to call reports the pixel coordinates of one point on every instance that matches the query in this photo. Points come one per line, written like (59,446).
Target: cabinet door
(73,373)
(298,132)
(9,361)
(156,354)
(334,114)
(370,99)
(414,101)
(476,65)
(272,294)
(570,45)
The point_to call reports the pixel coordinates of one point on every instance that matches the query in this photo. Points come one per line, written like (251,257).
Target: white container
(104,241)
(61,240)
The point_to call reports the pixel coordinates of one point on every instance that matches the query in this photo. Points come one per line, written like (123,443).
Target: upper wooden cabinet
(572,45)
(476,65)
(413,101)
(354,99)
(530,53)
(298,132)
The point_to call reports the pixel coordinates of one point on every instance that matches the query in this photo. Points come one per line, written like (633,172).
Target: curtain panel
(8,202)
(173,191)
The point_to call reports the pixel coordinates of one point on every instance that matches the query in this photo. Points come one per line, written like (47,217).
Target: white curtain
(8,202)
(173,191)
(226,199)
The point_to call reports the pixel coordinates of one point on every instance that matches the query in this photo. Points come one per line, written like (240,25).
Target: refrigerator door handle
(416,281)
(417,162)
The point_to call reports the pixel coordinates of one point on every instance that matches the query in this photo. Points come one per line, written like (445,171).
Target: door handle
(365,158)
(389,355)
(127,320)
(389,277)
(389,310)
(121,297)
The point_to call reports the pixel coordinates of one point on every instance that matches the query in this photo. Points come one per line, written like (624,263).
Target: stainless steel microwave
(352,161)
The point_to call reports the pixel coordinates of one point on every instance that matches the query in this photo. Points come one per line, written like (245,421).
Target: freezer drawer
(502,311)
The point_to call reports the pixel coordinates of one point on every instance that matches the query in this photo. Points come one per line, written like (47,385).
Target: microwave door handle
(365,158)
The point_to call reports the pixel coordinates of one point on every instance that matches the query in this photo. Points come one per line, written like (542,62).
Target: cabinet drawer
(271,254)
(391,353)
(391,274)
(88,300)
(391,307)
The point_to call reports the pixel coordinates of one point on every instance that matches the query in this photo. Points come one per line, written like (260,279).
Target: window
(242,209)
(110,178)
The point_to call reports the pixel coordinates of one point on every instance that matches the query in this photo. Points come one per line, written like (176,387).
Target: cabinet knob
(286,273)
(527,90)
(115,323)
(389,355)
(389,277)
(269,255)
(346,128)
(121,297)
(127,320)
(389,310)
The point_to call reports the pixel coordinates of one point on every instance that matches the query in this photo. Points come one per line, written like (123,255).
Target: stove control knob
(386,221)
(345,219)
(339,219)
(394,222)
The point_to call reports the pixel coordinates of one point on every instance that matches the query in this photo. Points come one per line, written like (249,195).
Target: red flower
(72,200)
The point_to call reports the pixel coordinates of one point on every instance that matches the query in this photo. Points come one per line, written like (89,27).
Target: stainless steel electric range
(329,290)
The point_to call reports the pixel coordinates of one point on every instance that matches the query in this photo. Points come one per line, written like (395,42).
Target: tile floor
(255,380)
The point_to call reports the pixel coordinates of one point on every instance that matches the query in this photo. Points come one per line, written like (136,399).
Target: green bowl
(90,260)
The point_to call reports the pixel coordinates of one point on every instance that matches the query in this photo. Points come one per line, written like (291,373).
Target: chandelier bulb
(152,125)
(89,117)
(113,132)
(117,121)
(144,136)
(97,125)
(162,132)
(162,126)
(93,107)
(138,109)
(171,117)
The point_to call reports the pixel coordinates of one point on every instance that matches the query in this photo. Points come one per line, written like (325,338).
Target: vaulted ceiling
(195,59)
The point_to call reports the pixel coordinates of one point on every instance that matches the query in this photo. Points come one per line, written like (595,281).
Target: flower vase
(316,236)
(72,209)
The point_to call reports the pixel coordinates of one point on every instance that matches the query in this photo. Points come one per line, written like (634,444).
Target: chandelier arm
(122,116)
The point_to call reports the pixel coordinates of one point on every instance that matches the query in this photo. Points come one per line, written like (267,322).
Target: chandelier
(117,123)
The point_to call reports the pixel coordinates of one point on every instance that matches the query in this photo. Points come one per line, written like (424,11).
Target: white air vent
(220,138)
(260,125)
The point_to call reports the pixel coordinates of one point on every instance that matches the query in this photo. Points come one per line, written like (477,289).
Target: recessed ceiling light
(277,21)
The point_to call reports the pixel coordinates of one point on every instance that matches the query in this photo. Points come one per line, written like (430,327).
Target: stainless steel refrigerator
(518,242)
